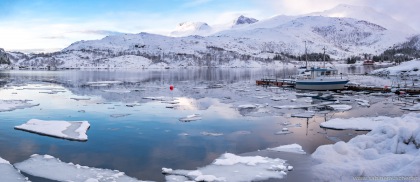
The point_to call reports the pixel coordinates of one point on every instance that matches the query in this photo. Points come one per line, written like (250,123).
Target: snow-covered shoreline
(392,148)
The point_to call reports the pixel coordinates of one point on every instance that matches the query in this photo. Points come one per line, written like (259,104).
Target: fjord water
(139,136)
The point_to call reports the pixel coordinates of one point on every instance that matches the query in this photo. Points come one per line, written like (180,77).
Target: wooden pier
(276,82)
(291,83)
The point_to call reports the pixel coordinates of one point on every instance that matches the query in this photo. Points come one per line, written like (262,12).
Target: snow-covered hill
(367,14)
(246,43)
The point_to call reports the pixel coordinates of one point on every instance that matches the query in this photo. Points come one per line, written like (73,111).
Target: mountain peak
(191,28)
(244,20)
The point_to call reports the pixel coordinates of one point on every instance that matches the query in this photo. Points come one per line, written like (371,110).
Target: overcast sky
(49,25)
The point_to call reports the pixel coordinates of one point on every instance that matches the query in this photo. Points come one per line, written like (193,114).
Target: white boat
(320,79)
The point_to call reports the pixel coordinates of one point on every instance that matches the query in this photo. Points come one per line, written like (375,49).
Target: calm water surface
(141,138)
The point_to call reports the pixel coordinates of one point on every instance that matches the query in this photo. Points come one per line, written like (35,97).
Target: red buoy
(171,87)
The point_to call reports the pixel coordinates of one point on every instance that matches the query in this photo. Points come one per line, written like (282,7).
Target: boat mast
(306,56)
(323,58)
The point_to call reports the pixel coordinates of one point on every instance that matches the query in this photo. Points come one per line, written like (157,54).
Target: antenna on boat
(323,58)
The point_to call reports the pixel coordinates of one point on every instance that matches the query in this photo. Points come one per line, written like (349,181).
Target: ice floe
(9,173)
(119,91)
(362,102)
(72,130)
(205,133)
(307,114)
(161,98)
(52,168)
(340,107)
(283,132)
(10,105)
(104,82)
(119,115)
(247,106)
(367,123)
(392,148)
(80,98)
(415,107)
(293,148)
(192,117)
(232,168)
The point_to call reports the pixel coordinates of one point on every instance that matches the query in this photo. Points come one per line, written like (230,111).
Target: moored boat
(321,79)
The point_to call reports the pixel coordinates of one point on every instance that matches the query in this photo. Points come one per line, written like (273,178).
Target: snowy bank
(9,173)
(48,167)
(230,167)
(392,148)
(74,130)
(409,67)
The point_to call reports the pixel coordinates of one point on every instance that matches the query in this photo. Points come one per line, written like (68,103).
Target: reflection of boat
(320,79)
(368,62)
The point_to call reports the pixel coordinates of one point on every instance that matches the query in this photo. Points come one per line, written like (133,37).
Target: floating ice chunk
(233,168)
(74,130)
(261,96)
(104,82)
(176,178)
(293,148)
(183,134)
(155,98)
(9,173)
(242,132)
(120,91)
(80,98)
(54,169)
(10,105)
(361,123)
(211,134)
(415,107)
(390,149)
(333,138)
(247,106)
(340,107)
(132,105)
(283,132)
(119,115)
(193,117)
(362,102)
(288,125)
(170,102)
(278,98)
(306,94)
(307,114)
(292,106)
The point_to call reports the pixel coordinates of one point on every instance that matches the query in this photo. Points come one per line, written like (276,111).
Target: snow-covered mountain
(367,14)
(241,45)
(3,57)
(192,28)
